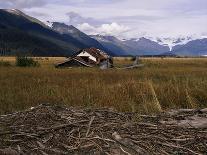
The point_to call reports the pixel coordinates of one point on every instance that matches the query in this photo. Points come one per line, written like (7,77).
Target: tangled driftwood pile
(59,130)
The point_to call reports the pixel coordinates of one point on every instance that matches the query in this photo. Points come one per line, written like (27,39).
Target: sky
(122,18)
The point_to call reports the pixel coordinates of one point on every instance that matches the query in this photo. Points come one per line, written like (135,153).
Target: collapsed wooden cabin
(89,57)
(73,62)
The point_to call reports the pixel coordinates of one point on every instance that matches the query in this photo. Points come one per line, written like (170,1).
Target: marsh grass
(5,63)
(162,84)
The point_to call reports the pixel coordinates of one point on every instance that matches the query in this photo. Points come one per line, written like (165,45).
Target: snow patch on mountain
(48,23)
(14,11)
(181,40)
(170,41)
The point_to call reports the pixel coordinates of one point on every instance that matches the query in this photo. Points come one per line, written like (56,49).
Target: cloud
(113,29)
(22,3)
(132,18)
(39,14)
(75,18)
(104,29)
(87,28)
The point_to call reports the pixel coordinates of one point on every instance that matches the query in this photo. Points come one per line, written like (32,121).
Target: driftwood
(48,130)
(131,66)
(136,64)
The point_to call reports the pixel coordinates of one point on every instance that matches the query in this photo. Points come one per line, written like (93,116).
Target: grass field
(161,85)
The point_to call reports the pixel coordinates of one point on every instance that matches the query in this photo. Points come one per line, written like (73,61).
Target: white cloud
(87,28)
(104,29)
(22,3)
(113,28)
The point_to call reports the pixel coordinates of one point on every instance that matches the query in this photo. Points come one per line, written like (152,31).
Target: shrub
(5,64)
(26,62)
(132,58)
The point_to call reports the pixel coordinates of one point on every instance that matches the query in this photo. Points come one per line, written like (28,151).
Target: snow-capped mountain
(176,41)
(58,39)
(77,34)
(146,46)
(18,13)
(141,46)
(22,34)
(196,47)
(167,41)
(115,45)
(171,42)
(48,23)
(14,11)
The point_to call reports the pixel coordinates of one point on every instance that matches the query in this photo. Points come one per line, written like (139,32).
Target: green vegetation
(26,62)
(161,85)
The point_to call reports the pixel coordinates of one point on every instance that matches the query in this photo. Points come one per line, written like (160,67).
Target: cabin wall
(71,63)
(85,54)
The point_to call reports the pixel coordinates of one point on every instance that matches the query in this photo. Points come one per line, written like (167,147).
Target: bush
(26,62)
(133,58)
(5,63)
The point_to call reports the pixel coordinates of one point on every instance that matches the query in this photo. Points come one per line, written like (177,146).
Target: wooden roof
(97,53)
(78,59)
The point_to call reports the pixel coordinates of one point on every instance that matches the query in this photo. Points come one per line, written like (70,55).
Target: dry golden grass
(162,84)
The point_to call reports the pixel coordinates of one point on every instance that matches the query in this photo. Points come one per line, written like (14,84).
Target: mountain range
(146,46)
(77,34)
(114,44)
(196,47)
(25,35)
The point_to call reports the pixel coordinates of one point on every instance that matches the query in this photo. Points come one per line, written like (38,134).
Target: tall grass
(5,63)
(162,84)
